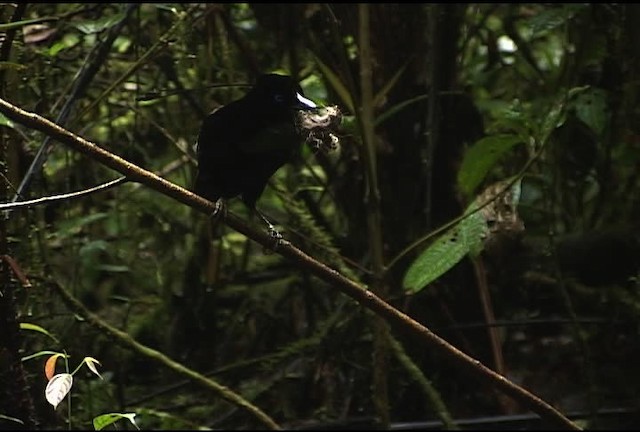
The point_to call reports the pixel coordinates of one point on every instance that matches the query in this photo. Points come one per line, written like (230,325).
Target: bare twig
(17,271)
(62,197)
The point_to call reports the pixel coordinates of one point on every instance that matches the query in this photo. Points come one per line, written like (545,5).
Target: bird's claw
(220,209)
(277,238)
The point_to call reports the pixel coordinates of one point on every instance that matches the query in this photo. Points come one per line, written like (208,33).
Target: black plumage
(242,144)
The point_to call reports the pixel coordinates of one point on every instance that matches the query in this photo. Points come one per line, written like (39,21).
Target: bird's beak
(304,103)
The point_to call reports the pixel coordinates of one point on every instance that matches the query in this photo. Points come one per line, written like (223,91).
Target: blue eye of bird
(278,98)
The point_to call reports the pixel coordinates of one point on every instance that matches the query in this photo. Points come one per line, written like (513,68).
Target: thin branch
(17,271)
(126,340)
(62,197)
(333,278)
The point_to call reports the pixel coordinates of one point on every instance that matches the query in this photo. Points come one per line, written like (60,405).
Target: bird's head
(282,92)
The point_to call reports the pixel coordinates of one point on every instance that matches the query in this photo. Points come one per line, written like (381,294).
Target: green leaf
(551,18)
(480,158)
(337,85)
(91,248)
(68,41)
(5,65)
(382,94)
(555,117)
(592,108)
(104,420)
(5,121)
(37,328)
(397,108)
(446,251)
(96,26)
(122,44)
(56,48)
(74,225)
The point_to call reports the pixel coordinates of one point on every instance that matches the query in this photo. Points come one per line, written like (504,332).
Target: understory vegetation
(485,183)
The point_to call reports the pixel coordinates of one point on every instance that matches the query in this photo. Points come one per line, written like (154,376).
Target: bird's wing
(269,139)
(213,139)
(241,130)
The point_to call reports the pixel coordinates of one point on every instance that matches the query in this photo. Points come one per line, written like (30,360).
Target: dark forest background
(440,103)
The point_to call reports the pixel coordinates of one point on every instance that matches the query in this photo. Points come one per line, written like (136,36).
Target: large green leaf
(461,239)
(481,157)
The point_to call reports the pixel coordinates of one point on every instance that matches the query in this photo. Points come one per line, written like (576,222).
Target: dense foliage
(527,109)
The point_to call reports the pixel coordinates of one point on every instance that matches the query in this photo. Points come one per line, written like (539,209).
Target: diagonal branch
(359,293)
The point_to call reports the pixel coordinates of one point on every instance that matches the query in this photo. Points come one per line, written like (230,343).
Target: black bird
(242,144)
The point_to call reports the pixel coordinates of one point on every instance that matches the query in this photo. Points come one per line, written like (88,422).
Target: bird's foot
(220,210)
(277,238)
